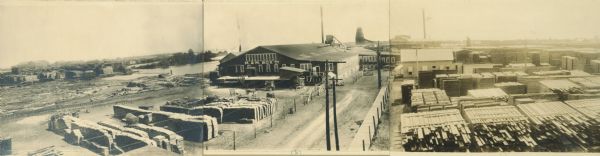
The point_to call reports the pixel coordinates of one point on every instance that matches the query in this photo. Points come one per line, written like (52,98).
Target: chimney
(360,36)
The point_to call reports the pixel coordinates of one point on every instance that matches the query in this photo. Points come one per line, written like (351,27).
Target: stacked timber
(242,110)
(430,99)
(512,87)
(452,87)
(484,81)
(480,102)
(466,84)
(588,83)
(524,101)
(505,77)
(406,89)
(426,79)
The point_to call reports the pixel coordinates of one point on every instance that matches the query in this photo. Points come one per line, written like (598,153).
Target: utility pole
(202,64)
(335,127)
(272,119)
(322,33)
(234,140)
(424,25)
(327,130)
(378,66)
(417,70)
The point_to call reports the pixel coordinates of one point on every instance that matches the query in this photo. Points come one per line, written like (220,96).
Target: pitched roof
(410,55)
(230,56)
(365,51)
(304,52)
(311,52)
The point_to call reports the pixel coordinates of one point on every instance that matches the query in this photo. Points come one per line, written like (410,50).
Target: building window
(241,68)
(409,73)
(276,67)
(329,66)
(306,66)
(447,67)
(268,68)
(393,59)
(260,68)
(317,69)
(261,57)
(236,69)
(432,67)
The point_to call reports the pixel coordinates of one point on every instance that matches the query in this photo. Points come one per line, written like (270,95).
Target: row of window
(259,68)
(374,59)
(424,68)
(261,57)
(267,67)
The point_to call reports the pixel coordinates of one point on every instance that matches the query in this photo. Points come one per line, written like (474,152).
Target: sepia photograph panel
(193,77)
(309,57)
(299,77)
(71,69)
(495,76)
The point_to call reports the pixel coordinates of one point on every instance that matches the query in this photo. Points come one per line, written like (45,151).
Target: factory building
(417,60)
(307,62)
(368,58)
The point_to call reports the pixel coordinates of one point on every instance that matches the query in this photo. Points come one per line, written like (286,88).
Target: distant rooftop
(410,55)
(581,50)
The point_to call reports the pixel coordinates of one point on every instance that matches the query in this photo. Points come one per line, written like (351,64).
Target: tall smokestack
(322,33)
(360,36)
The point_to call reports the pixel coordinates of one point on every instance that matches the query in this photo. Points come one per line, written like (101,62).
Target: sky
(268,22)
(496,19)
(85,30)
(63,31)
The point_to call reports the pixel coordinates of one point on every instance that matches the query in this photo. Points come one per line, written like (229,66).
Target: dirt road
(305,129)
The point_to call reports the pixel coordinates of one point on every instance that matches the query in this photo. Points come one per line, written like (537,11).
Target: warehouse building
(424,60)
(368,58)
(288,64)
